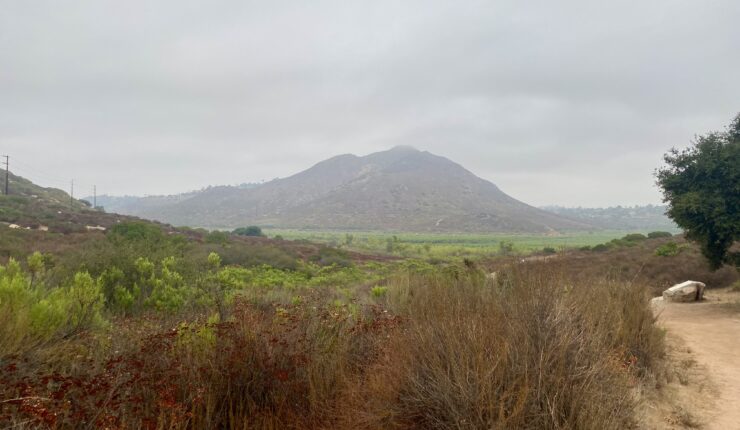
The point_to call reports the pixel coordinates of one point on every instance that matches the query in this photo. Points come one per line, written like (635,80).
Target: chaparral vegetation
(144,327)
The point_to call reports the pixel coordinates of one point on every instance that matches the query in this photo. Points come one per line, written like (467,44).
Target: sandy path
(713,335)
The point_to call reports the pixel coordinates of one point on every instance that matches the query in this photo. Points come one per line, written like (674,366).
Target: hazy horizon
(569,103)
(260,183)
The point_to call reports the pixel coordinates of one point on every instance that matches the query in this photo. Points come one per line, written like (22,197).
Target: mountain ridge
(402,189)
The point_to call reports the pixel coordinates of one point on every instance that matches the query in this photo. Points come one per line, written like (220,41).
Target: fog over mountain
(569,102)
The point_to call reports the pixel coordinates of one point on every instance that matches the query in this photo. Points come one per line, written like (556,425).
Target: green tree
(701,185)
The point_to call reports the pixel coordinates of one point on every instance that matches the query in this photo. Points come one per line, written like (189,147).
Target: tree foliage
(701,185)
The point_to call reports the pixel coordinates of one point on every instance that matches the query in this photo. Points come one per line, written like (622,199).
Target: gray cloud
(569,102)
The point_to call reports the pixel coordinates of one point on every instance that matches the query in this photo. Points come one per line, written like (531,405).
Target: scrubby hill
(399,189)
(35,207)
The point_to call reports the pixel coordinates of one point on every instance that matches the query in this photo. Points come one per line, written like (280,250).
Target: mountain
(648,217)
(402,189)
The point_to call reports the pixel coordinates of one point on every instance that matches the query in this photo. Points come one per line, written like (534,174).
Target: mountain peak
(403,148)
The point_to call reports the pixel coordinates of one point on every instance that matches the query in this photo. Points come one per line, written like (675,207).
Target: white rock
(43,228)
(14,226)
(94,227)
(689,291)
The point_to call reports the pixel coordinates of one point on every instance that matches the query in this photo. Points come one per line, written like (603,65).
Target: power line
(37,172)
(48,179)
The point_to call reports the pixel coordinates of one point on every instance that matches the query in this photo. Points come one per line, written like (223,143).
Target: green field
(445,245)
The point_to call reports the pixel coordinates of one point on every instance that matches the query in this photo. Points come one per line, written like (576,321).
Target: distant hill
(649,217)
(30,206)
(134,204)
(400,189)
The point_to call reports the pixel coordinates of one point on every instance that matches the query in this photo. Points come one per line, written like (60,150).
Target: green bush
(33,313)
(600,247)
(137,231)
(668,249)
(379,291)
(659,234)
(331,256)
(170,292)
(83,302)
(549,250)
(216,236)
(505,248)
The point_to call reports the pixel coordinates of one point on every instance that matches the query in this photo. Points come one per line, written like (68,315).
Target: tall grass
(531,351)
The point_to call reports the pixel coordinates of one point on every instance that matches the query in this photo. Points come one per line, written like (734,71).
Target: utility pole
(95,197)
(72,195)
(7,173)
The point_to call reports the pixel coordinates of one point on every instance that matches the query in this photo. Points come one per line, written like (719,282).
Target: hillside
(31,206)
(400,189)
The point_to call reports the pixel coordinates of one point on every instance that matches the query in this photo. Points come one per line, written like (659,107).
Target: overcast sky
(556,102)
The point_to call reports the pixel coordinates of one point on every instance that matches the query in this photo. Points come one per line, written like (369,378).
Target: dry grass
(532,350)
(640,264)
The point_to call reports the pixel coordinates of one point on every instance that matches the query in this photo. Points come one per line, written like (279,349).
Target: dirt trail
(711,330)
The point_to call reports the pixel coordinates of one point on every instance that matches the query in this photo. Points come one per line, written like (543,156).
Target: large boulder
(689,291)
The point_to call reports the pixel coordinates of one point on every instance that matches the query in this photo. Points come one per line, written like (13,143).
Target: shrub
(505,248)
(137,231)
(219,237)
(549,250)
(36,265)
(30,313)
(669,249)
(534,352)
(83,303)
(600,247)
(659,234)
(169,292)
(328,256)
(378,291)
(634,237)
